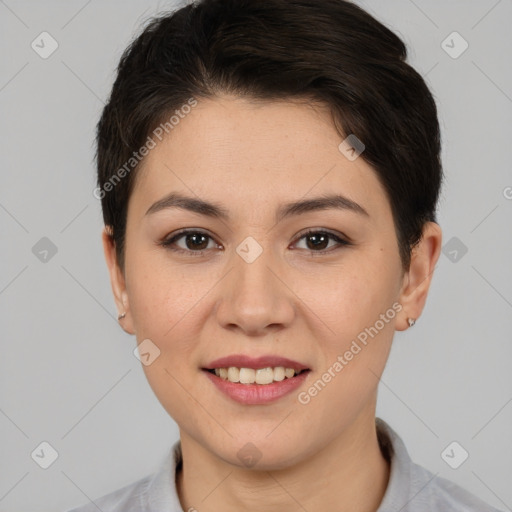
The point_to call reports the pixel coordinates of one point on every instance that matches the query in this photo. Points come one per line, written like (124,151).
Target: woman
(269,175)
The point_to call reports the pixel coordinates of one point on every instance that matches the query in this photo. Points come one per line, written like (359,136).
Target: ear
(117,281)
(416,282)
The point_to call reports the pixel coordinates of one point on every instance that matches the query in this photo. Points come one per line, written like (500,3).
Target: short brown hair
(330,51)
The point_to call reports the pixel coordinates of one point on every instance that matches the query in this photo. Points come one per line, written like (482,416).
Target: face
(260,280)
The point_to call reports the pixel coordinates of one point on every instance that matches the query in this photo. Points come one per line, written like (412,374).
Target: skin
(251,157)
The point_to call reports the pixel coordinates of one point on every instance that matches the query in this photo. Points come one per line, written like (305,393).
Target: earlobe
(418,278)
(117,281)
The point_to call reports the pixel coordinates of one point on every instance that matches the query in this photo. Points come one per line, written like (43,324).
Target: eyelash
(167,243)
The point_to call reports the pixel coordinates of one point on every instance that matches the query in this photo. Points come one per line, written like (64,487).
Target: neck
(349,473)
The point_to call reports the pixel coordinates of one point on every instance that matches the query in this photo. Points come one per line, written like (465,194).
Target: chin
(261,452)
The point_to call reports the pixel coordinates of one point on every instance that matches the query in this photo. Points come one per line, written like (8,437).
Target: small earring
(121,316)
(411,321)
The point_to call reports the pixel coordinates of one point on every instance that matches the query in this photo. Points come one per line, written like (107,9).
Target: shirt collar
(162,496)
(399,485)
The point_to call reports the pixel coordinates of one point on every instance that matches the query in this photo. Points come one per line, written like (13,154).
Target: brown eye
(196,241)
(193,242)
(318,241)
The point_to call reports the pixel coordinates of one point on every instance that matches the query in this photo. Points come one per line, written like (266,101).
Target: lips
(243,361)
(257,394)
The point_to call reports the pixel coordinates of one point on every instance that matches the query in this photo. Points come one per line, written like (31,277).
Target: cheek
(360,317)
(357,308)
(165,305)
(350,296)
(159,293)
(168,306)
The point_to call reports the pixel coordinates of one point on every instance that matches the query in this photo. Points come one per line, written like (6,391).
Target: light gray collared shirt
(411,488)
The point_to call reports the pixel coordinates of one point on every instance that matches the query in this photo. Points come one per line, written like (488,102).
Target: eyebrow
(215,210)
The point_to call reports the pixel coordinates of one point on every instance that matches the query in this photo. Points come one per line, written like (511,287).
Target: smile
(252,393)
(259,375)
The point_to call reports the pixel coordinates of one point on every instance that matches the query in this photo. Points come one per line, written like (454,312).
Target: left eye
(197,241)
(319,238)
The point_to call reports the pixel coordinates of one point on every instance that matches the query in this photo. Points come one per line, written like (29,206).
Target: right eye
(195,242)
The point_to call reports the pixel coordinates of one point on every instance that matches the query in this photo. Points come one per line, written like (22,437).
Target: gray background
(68,373)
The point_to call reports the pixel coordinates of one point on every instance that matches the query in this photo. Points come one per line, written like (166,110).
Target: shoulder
(130,498)
(153,493)
(440,494)
(413,488)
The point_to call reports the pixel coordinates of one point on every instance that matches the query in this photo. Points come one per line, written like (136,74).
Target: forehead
(254,153)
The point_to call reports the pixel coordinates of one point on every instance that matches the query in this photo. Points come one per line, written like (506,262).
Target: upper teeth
(251,376)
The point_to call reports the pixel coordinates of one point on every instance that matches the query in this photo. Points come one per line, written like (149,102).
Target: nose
(255,297)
